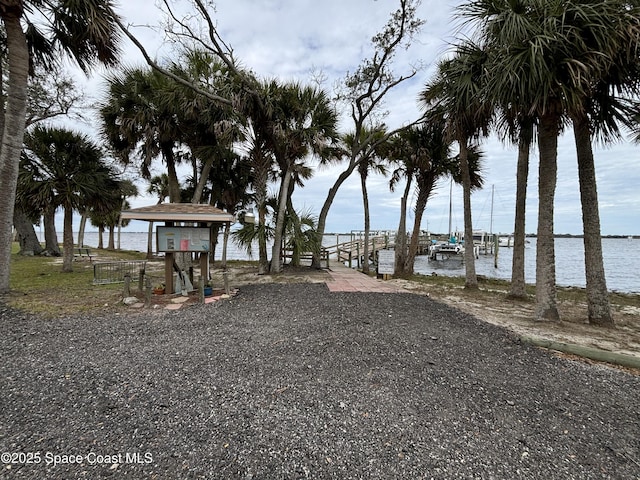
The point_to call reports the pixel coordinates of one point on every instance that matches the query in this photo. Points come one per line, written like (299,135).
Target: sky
(296,39)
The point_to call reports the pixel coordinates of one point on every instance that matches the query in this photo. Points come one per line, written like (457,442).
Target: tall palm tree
(530,68)
(549,57)
(525,138)
(430,143)
(375,162)
(304,122)
(84,31)
(408,164)
(457,90)
(611,35)
(69,170)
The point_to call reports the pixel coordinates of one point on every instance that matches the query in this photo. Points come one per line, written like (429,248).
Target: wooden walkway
(344,279)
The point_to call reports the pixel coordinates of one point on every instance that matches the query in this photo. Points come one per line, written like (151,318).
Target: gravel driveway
(292,381)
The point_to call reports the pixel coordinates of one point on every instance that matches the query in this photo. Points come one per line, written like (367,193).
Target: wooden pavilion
(187,228)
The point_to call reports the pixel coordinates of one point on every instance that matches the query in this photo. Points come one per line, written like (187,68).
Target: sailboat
(451,248)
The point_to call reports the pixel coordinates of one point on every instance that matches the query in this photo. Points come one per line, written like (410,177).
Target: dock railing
(353,250)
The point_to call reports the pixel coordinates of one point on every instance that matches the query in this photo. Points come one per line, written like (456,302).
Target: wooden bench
(83,251)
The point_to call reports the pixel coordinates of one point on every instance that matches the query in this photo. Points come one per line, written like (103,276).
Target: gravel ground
(291,381)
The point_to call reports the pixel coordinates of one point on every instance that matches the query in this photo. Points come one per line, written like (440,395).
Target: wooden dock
(352,251)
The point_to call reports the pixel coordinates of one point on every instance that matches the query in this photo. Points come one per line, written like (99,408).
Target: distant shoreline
(528,235)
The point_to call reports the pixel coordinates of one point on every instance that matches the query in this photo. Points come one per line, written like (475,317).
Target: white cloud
(290,38)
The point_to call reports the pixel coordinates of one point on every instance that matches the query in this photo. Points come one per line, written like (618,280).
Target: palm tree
(430,143)
(70,173)
(137,119)
(304,122)
(525,137)
(549,58)
(401,154)
(611,35)
(84,31)
(530,68)
(229,180)
(376,163)
(457,92)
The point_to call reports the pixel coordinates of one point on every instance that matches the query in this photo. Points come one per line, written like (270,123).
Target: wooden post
(225,277)
(127,285)
(141,279)
(204,266)
(496,245)
(168,272)
(147,293)
(201,288)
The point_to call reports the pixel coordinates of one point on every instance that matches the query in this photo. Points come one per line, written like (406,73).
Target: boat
(450,248)
(446,249)
(505,241)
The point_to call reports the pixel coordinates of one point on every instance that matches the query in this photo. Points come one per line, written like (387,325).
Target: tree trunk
(215,233)
(202,182)
(597,294)
(81,229)
(51,245)
(518,285)
(367,221)
(276,266)
(324,212)
(295,221)
(421,204)
(67,240)
(27,238)
(401,236)
(12,135)
(225,243)
(100,234)
(172,175)
(471,279)
(546,295)
(122,207)
(262,165)
(111,245)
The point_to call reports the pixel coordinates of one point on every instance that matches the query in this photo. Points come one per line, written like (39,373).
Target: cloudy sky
(292,39)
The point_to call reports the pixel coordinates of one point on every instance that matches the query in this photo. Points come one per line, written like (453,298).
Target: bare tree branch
(156,66)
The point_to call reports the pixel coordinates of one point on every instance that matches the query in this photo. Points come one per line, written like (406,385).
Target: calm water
(621,260)
(621,263)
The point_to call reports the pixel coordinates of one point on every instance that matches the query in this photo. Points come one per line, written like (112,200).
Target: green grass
(38,284)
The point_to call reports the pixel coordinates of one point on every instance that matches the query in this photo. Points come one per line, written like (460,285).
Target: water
(621,263)
(621,259)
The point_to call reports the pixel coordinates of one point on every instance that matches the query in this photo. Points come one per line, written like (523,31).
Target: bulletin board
(183,239)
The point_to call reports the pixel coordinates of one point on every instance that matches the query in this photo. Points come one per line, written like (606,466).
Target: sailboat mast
(450,205)
(491,221)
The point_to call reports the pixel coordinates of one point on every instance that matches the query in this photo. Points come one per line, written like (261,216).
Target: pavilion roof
(178,212)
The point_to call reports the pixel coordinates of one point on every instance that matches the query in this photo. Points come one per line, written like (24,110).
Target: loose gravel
(291,381)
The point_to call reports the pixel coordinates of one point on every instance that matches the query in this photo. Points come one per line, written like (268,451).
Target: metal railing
(114,272)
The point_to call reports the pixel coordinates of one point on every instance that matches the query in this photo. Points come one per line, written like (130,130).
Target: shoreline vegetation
(40,287)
